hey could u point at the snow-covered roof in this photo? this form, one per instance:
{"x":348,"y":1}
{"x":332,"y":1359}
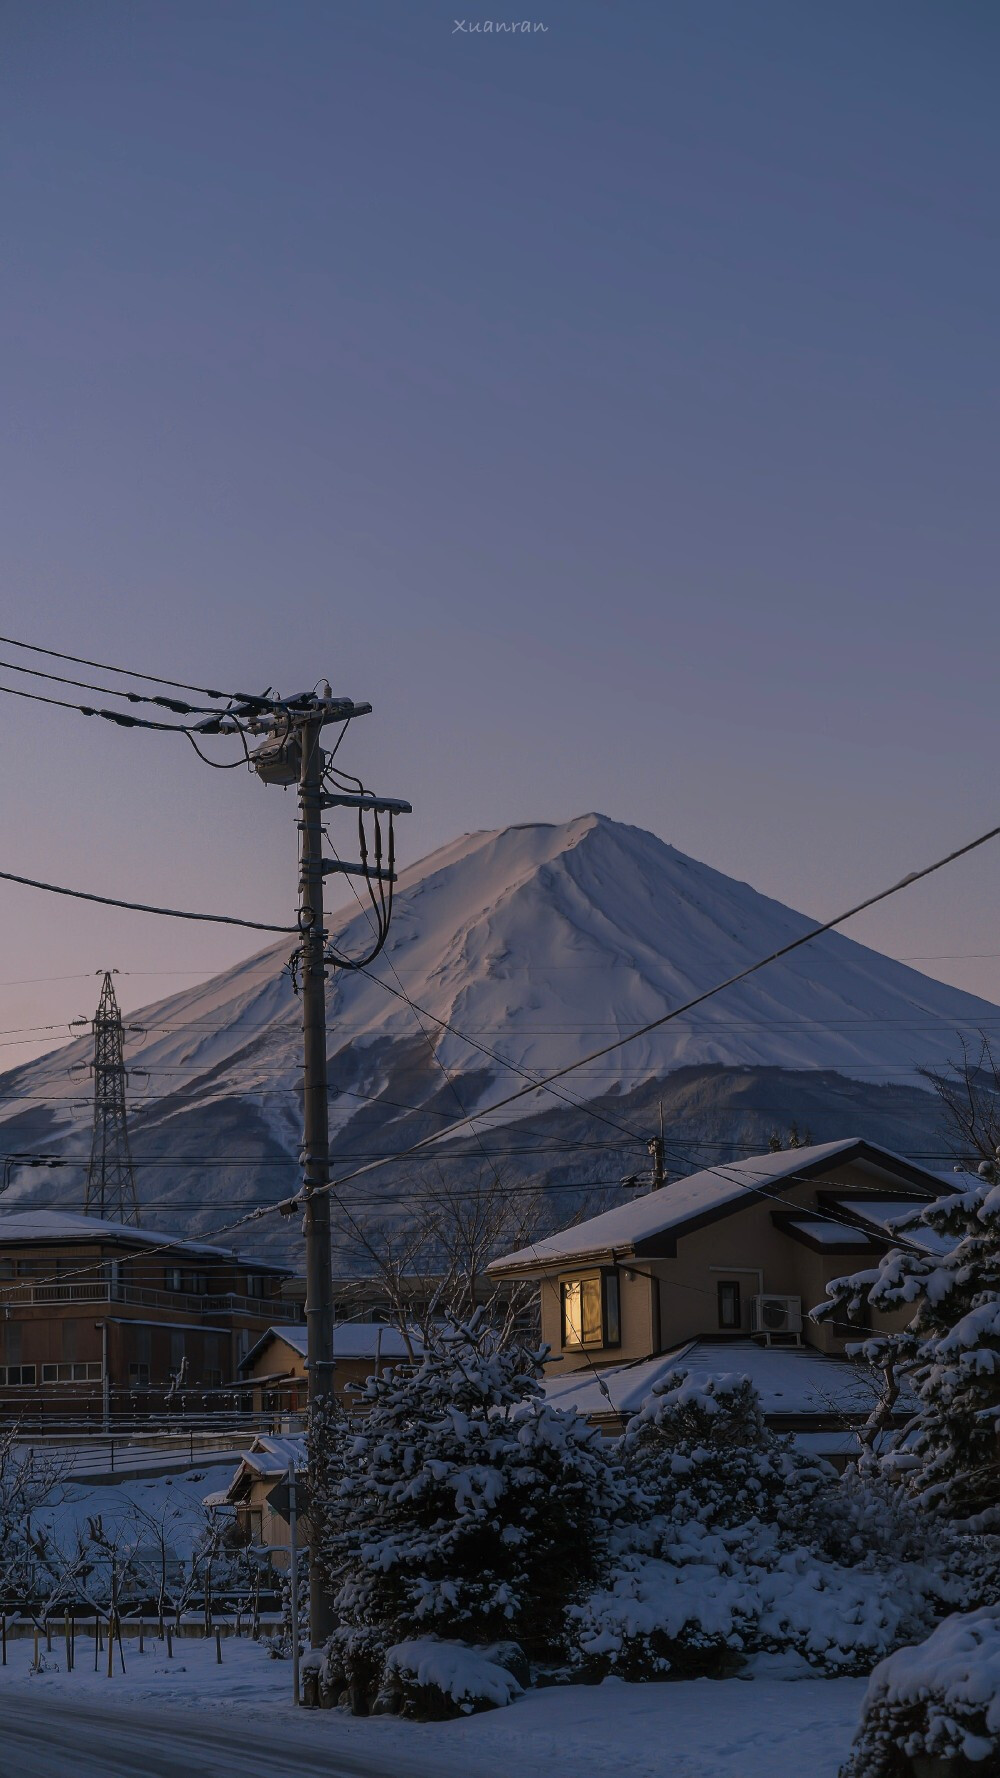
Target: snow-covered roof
{"x":351,"y":1339}
{"x":828,"y":1233}
{"x":269,"y":1456}
{"x":23,"y":1226}
{"x":712,"y":1190}
{"x":789,"y":1380}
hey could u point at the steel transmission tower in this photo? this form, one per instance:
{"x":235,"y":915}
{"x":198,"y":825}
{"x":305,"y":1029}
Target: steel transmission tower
{"x":110,"y":1176}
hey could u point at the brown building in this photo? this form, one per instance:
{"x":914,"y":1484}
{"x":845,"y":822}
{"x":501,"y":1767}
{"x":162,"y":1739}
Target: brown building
{"x":736,"y":1256}
{"x":275,"y":1368}
{"x":98,"y":1319}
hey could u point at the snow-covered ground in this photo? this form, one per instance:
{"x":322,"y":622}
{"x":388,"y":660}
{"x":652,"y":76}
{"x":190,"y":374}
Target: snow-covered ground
{"x":765,"y":1727}
{"x":168,"y":1503}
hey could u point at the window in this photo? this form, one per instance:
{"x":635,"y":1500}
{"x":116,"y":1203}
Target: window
{"x":138,"y":1376}
{"x":730,"y":1315}
{"x":17,"y":1375}
{"x":192,"y":1283}
{"x":590,"y":1311}
{"x":71,"y":1373}
{"x":256,"y":1284}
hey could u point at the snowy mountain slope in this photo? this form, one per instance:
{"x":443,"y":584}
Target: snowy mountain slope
{"x":539,"y":943}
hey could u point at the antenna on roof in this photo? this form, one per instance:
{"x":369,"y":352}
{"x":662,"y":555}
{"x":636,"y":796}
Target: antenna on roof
{"x":110,"y":1176}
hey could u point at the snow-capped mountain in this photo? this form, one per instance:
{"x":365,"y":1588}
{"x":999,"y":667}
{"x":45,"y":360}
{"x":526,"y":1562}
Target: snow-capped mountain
{"x":536,"y":944}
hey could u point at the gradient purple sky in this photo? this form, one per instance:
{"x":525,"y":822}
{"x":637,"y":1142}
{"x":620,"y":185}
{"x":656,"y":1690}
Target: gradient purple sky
{"x":615,"y":407}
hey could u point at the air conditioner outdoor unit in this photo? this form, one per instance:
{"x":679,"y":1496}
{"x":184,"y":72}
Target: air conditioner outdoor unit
{"x":770,"y":1315}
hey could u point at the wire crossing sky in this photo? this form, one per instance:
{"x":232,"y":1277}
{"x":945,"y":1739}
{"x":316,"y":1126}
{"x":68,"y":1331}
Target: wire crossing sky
{"x":609,"y":406}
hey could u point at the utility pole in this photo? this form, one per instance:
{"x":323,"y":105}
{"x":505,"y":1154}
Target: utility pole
{"x":316,"y":1123}
{"x":110,"y":1176}
{"x":293,"y":753}
{"x":654,"y":1148}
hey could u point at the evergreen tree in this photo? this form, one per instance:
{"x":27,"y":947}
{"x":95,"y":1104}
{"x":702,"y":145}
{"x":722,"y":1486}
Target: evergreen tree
{"x":460,"y":1504}
{"x":947,"y":1356}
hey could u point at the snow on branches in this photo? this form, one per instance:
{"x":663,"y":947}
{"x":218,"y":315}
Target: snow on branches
{"x":946,"y":1356}
{"x":938,"y":1703}
{"x":461,"y":1506}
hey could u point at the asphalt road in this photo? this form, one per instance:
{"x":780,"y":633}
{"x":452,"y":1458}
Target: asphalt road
{"x":43,"y":1738}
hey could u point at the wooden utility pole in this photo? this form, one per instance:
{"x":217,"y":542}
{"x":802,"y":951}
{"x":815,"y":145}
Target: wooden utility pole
{"x":293,"y":753}
{"x":316,"y":1123}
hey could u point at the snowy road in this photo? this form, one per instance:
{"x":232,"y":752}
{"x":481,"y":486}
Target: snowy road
{"x":45,"y":1738}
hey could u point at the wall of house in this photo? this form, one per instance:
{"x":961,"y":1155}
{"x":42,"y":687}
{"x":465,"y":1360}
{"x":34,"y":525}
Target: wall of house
{"x":637,"y":1314}
{"x":789,"y":1267}
{"x":681,"y":1300}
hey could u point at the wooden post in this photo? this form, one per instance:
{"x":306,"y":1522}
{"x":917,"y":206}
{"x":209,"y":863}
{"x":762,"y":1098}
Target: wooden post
{"x":121,"y":1650}
{"x":111,"y":1645}
{"x":218,"y":1645}
{"x":34,"y":1664}
{"x":170,"y":1644}
{"x":69,"y":1651}
{"x":3,"y":1637}
{"x":140,"y":1636}
{"x":48,"y":1634}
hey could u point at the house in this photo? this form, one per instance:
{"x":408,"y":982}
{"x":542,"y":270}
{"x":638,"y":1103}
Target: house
{"x":261,"y":1469}
{"x":734,"y":1256}
{"x":98,"y":1319}
{"x":275,"y":1367}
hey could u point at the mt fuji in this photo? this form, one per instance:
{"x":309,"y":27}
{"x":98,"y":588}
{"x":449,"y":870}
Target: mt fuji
{"x":535,"y":944}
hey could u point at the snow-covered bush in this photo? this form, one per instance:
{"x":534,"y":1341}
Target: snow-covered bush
{"x":939,"y":1701}
{"x":948,"y":1356}
{"x":463,"y":1507}
{"x":737,"y":1545}
{"x":430,"y":1679}
{"x":686,"y":1610}
{"x":701,"y":1449}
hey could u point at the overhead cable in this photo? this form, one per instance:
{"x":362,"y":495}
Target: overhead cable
{"x":142,"y":907}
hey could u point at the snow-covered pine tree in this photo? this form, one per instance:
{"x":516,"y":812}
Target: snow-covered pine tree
{"x":460,"y":1505}
{"x":947,"y":1356}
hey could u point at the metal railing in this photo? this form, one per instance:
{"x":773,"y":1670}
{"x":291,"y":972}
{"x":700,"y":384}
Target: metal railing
{"x":102,"y":1290}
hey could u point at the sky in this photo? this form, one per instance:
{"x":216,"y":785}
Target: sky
{"x":613,"y":405}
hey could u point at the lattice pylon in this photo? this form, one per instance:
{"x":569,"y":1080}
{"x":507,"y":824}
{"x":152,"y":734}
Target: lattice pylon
{"x":110,"y":1177}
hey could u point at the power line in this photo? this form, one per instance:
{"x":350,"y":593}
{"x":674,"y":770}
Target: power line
{"x":142,"y":907}
{"x":116,"y":716}
{"x":80,"y":660}
{"x":179,"y":706}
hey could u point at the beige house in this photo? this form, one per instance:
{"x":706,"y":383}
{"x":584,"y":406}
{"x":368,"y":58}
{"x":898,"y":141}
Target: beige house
{"x":261,"y":1469}
{"x":276,"y":1369}
{"x":734,"y":1255}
